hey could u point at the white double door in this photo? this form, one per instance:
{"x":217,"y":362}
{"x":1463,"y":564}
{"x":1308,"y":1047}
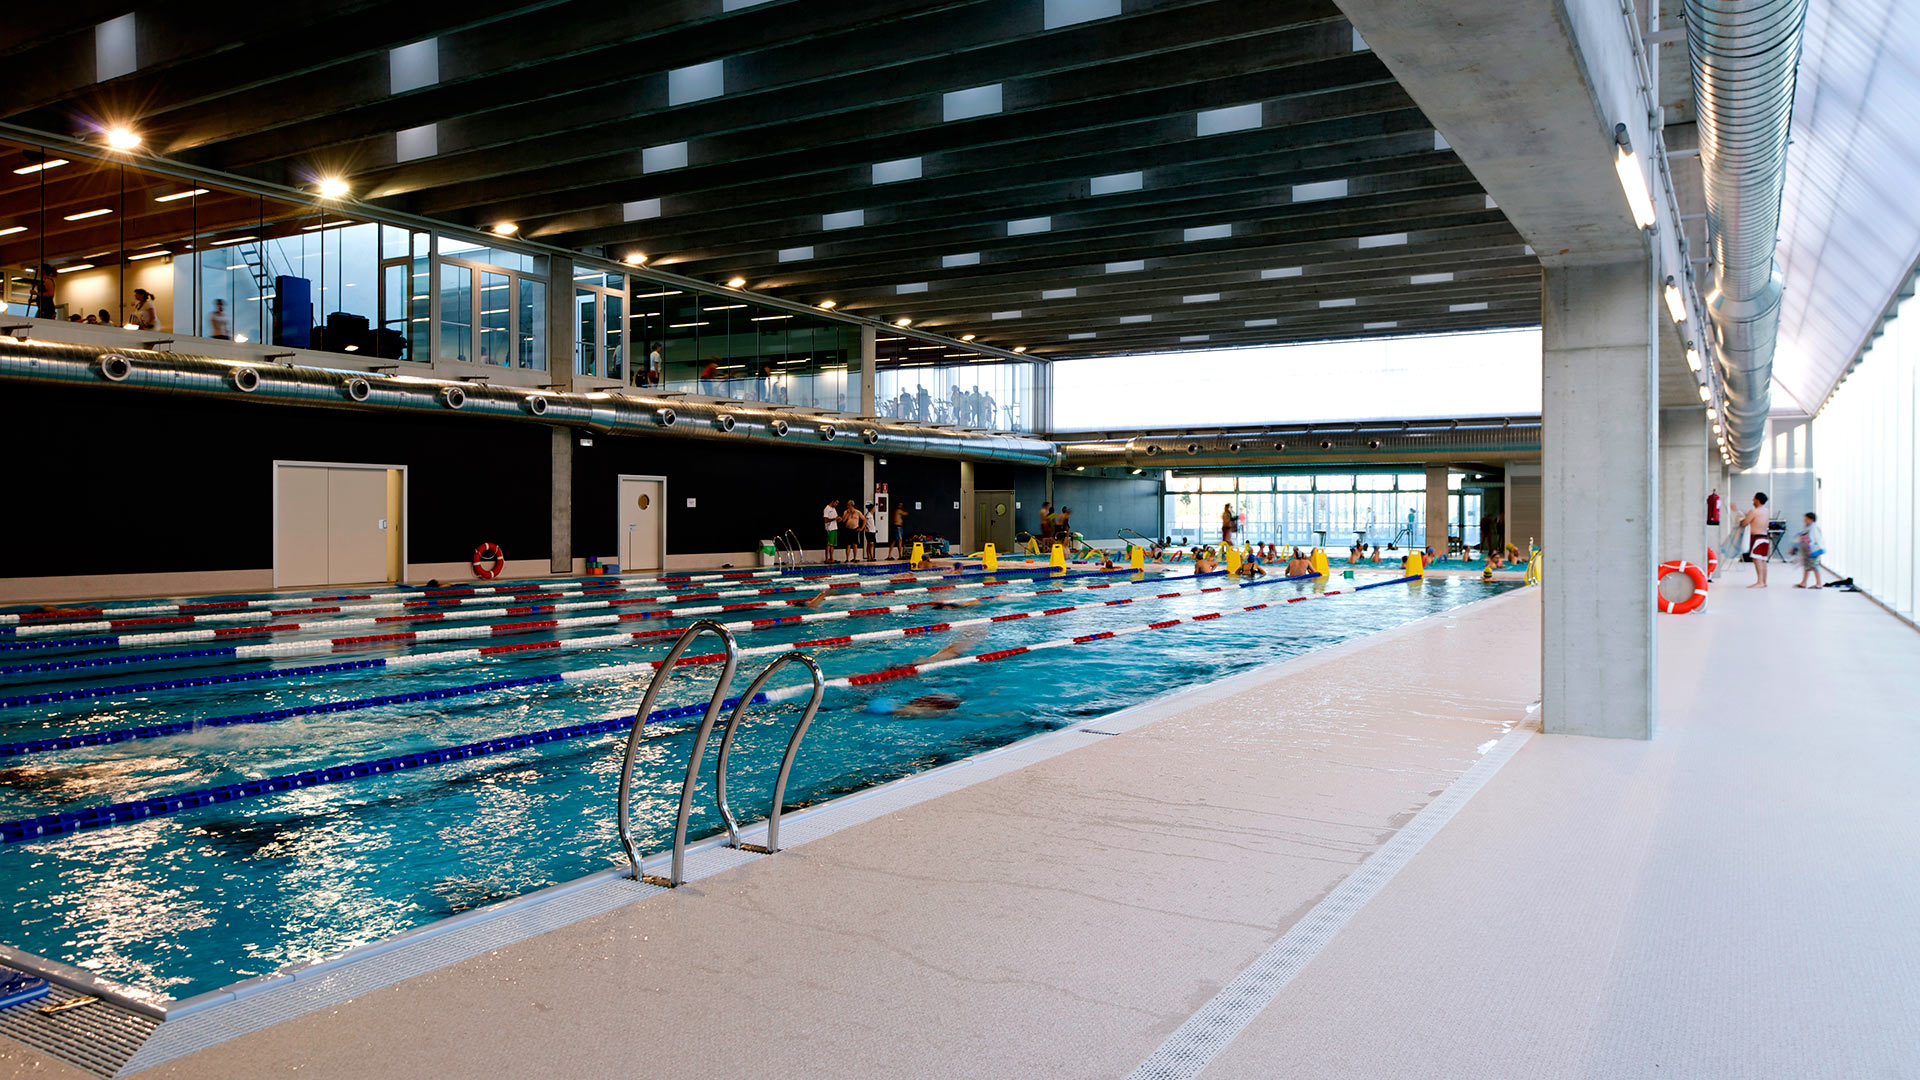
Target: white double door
{"x":336,"y":524}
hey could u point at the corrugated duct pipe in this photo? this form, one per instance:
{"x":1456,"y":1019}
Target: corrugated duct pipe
{"x":620,"y":414}
{"x":1745,"y":54}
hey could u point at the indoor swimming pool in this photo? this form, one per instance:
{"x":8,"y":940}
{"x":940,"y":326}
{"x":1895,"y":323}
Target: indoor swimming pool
{"x":192,"y":794}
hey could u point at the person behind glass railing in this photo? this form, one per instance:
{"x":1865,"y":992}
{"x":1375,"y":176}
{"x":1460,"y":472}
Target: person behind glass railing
{"x":43,"y":294}
{"x":219,"y":324}
{"x":142,"y":315}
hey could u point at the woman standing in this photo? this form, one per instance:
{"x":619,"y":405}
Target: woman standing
{"x":1228,"y":522}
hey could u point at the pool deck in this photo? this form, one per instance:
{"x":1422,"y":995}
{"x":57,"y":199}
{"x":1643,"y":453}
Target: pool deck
{"x":1733,"y":899}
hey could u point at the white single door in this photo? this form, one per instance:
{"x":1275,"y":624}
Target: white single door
{"x":642,"y":509}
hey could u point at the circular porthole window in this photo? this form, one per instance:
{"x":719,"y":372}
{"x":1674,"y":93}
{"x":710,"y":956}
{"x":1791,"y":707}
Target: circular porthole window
{"x":645,"y":501}
{"x":1000,"y":509}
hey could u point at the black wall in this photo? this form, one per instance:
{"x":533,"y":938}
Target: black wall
{"x":115,"y":482}
{"x":934,"y":483}
{"x":1102,"y":506}
{"x":742,"y":493}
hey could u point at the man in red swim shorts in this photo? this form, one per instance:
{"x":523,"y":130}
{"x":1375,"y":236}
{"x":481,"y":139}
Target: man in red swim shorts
{"x":1758,"y":545}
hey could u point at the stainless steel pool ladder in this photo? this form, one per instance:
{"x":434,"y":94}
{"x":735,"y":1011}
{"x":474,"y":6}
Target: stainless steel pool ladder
{"x":731,"y":651}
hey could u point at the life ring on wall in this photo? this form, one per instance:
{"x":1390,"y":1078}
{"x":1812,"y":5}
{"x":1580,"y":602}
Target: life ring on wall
{"x":1713,"y":563}
{"x":1691,"y":603}
{"x":488,"y":552}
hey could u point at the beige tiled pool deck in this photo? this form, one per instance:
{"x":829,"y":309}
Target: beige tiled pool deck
{"x":1730,"y":900}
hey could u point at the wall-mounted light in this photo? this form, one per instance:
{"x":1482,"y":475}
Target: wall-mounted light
{"x":1676,"y":302}
{"x":1627,"y":164}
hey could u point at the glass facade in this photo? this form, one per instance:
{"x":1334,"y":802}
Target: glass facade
{"x":1329,"y":510}
{"x":108,"y":242}
{"x":111,"y":243}
{"x":1867,"y":458}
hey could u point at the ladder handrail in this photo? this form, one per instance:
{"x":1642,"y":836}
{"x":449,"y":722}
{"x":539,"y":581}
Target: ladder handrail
{"x":732,"y":651}
{"x":786,"y":762}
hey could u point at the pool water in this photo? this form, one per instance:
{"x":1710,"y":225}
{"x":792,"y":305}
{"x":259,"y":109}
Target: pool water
{"x":190,"y":902}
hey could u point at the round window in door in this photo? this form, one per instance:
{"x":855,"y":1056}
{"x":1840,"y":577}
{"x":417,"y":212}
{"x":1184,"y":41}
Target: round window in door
{"x":645,"y":502}
{"x":1000,"y":509}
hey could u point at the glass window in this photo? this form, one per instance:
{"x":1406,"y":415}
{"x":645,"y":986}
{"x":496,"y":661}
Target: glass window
{"x":1454,"y":480}
{"x":1413,"y":481}
{"x":456,"y":313}
{"x":1216,"y":483}
{"x":1183,"y":483}
{"x":1334,"y":482}
{"x":531,"y":324}
{"x":586,"y":340}
{"x":496,"y":315}
{"x":613,"y":345}
{"x":469,"y":251}
{"x":1256,"y":483}
{"x":1295,"y":482}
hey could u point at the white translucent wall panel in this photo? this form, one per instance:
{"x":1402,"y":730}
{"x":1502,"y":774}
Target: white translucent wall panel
{"x":1868,"y":460}
{"x":1486,"y":374}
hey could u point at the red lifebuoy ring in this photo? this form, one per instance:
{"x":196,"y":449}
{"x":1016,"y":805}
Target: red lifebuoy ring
{"x":1691,"y":603}
{"x":1713,"y":563}
{"x":488,"y":551}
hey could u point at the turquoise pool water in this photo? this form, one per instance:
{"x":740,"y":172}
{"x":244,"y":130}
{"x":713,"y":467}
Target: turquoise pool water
{"x":189,"y":902}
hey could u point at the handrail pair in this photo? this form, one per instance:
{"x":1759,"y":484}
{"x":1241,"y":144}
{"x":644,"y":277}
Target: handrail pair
{"x":731,"y":649}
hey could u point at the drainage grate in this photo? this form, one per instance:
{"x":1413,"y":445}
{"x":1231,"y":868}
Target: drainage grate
{"x":98,"y":1037}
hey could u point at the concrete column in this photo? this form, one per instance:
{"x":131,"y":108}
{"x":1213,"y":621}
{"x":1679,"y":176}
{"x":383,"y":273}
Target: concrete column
{"x":561,"y":326}
{"x":1683,"y":485}
{"x":560,"y":502}
{"x":965,"y":539}
{"x":1600,"y":488}
{"x":866,"y":480}
{"x":1437,"y":507}
{"x":869,"y":357}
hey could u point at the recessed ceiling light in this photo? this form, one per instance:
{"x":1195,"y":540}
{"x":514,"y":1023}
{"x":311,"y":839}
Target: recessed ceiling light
{"x":121,"y":137}
{"x":506,"y":228}
{"x":1019,"y":348}
{"x":178,"y":195}
{"x":10,"y":230}
{"x":29,"y":169}
{"x":737,"y":283}
{"x":829,"y":304}
{"x":637,"y":258}
{"x":89,"y":266}
{"x":903,"y":322}
{"x":332,"y":187}
{"x":966,"y":337}
{"x":85,"y":214}
{"x":148,"y":255}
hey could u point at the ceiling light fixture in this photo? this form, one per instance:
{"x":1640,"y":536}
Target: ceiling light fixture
{"x":636,"y":258}
{"x":737,"y":283}
{"x":332,"y":187}
{"x":1704,"y":395}
{"x":1693,"y":358}
{"x":76,"y":266}
{"x":966,"y":337}
{"x":903,"y":322}
{"x":148,"y":255}
{"x":1627,"y":164}
{"x":506,"y":228}
{"x":1676,"y":303}
{"x":121,"y":137}
{"x":178,"y":195}
{"x":829,"y":305}
{"x":11,"y":229}
{"x":85,"y":214}
{"x":26,"y":170}
{"x":1019,"y":348}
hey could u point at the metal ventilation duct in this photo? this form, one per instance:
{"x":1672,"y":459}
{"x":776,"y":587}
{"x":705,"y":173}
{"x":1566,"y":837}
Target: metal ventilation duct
{"x":618,"y":414}
{"x":1745,"y":57}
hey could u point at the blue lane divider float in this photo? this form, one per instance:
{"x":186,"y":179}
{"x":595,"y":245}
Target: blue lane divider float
{"x":182,"y":727}
{"x":118,"y":660}
{"x":49,"y":697}
{"x":1382,"y":584}
{"x":100,"y":817}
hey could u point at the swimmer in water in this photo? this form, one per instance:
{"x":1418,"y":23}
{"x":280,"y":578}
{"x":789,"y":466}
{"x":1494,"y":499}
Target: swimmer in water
{"x":924,"y":705}
{"x":962,"y":641}
{"x":942,"y":605}
{"x":811,"y":601}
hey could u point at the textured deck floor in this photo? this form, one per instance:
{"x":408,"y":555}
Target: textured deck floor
{"x":1733,"y":899}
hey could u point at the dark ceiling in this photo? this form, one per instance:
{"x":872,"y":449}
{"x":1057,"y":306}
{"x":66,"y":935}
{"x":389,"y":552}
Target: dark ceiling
{"x":542,"y":114}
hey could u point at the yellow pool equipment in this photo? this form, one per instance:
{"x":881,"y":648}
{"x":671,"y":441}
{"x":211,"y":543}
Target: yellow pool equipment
{"x":989,"y":558}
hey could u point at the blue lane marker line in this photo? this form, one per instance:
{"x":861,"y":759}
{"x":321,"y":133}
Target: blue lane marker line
{"x":182,"y":727}
{"x":100,"y":817}
{"x":117,"y":660}
{"x":49,"y":643}
{"x":1381,"y":584}
{"x":51,"y":696}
